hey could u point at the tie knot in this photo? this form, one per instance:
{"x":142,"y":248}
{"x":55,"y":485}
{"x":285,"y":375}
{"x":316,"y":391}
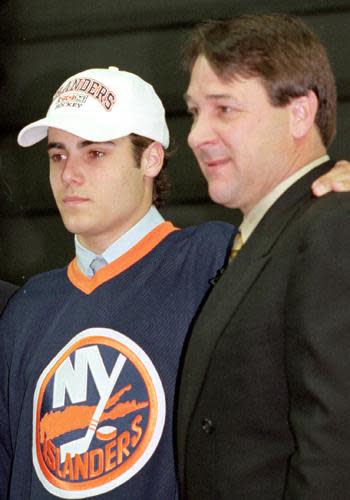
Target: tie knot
{"x":97,"y":263}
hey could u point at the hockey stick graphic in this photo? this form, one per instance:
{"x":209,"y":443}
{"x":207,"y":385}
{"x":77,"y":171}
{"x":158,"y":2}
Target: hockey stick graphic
{"x":81,"y":445}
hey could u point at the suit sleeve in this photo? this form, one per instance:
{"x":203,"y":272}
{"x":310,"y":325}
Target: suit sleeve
{"x":5,"y":441}
{"x":318,"y":355}
{"x":6,"y":290}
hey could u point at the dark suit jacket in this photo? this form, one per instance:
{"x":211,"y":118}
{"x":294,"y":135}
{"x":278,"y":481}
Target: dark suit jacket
{"x":264,"y":402}
{"x":6,"y":290}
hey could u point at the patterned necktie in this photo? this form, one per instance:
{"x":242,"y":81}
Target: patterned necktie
{"x":237,"y":245}
{"x":97,"y":263}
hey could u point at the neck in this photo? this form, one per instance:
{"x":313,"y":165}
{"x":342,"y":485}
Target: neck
{"x":98,"y":243}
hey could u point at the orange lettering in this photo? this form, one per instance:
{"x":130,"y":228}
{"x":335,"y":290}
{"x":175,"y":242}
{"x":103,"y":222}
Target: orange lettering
{"x":137,"y":429}
{"x":110,"y":454}
{"x":58,"y":460}
{"x":123,"y":441}
{"x":49,"y":454}
{"x":81,"y":466}
{"x":68,"y":467}
{"x":98,"y":454}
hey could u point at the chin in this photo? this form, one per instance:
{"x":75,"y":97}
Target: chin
{"x":73,"y":227}
{"x":219,"y":194}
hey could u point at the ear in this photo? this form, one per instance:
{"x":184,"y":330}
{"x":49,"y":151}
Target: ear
{"x":152,"y":160}
{"x":303,"y":113}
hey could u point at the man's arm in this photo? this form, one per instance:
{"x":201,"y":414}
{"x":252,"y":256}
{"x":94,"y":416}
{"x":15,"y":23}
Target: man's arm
{"x":6,"y":291}
{"x":5,"y":440}
{"x":337,"y":179}
{"x":318,"y":355}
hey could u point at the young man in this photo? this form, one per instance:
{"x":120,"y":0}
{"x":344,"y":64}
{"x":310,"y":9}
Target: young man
{"x":89,"y":355}
{"x":265,"y":393}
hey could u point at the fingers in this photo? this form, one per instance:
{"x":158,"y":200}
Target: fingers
{"x":337,"y":179}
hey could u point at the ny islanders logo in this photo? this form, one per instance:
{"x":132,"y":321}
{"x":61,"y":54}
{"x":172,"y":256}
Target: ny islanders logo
{"x":99,"y":412}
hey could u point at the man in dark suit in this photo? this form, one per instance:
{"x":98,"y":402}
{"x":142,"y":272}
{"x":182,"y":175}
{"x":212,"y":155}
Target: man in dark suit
{"x":264,"y":400}
{"x":6,"y":290}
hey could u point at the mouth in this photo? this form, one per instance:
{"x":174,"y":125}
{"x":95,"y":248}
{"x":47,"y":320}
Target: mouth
{"x":74,"y":200}
{"x":216,"y":163}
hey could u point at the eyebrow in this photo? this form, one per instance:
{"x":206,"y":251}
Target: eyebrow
{"x":82,"y":144}
{"x":211,"y":97}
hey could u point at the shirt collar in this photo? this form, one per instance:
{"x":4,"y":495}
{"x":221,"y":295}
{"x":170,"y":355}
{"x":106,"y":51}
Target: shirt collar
{"x":252,"y":219}
{"x":148,"y":222}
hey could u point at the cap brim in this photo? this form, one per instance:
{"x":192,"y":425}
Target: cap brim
{"x":36,"y":131}
{"x":85,"y":127}
{"x":33,"y":133}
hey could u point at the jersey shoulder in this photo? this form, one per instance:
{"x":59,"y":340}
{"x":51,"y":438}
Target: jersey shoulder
{"x":205,"y":246}
{"x":42,"y":287}
{"x":210,"y":234}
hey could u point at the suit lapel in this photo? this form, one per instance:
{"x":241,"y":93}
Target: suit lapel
{"x":231,"y":289}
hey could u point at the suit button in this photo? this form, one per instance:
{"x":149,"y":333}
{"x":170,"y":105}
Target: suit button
{"x":207,"y":426}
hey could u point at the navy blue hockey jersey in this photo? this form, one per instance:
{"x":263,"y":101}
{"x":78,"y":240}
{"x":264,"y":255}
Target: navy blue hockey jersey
{"x":88,"y":370}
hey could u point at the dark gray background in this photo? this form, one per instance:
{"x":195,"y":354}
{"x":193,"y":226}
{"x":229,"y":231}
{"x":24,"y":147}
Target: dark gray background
{"x":45,"y":41}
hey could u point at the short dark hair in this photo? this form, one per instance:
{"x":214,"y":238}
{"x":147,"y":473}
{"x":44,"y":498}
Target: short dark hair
{"x":280,"y":50}
{"x":161,"y":185}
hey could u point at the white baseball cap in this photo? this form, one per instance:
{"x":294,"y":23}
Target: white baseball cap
{"x":102,"y":105}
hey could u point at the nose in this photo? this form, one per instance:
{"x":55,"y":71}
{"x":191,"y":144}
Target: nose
{"x":201,"y":133}
{"x":72,"y":172}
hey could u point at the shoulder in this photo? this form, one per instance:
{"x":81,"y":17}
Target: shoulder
{"x":6,"y":291}
{"x":213,"y":233}
{"x":46,"y":279}
{"x":207,"y":240}
{"x":333,"y":208}
{"x":199,"y":249}
{"x":322,"y":226}
{"x":39,"y":287}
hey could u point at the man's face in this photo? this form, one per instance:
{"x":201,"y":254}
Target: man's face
{"x":99,"y":190}
{"x":242,"y":143}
